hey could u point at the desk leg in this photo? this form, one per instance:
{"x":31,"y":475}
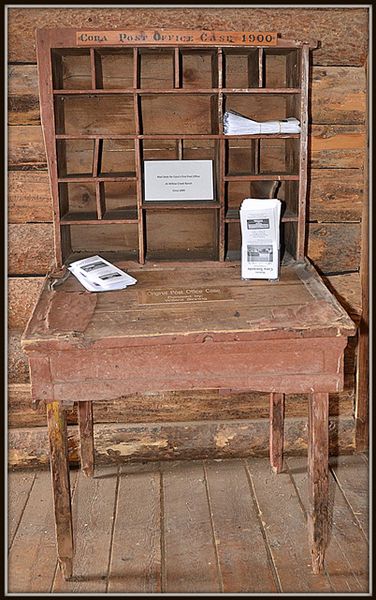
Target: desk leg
{"x":57,"y":433}
{"x":318,"y":483}
{"x":85,"y":421}
{"x":277,"y":406}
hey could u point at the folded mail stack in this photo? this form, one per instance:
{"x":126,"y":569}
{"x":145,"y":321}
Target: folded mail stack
{"x":236,"y":124}
{"x":98,"y":275}
{"x":260,"y":224}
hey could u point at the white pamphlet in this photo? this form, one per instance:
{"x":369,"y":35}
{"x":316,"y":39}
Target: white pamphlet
{"x":236,"y":124}
{"x":260,"y":224}
{"x":98,"y":275}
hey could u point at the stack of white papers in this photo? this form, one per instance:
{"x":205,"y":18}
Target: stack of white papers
{"x":98,"y":275}
{"x":236,"y":124}
{"x":260,"y":224}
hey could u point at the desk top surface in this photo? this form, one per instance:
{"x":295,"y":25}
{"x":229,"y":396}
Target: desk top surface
{"x":179,"y":301}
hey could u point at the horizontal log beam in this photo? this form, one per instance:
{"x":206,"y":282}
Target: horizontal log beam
{"x":342,"y":32}
{"x":26,"y":147}
{"x":18,"y":367}
{"x":338,"y":95}
{"x":335,"y":195}
{"x":337,"y":146}
{"x":173,"y":407}
{"x":334,"y":247}
{"x":29,"y":197}
{"x":31,"y":248}
{"x":23,"y":292}
{"x":28,"y":447}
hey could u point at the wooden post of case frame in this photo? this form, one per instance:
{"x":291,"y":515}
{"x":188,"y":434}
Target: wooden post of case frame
{"x":58,"y":440}
{"x":85,"y":422}
{"x":318,"y":482}
{"x":362,"y":374}
{"x":277,"y":405}
{"x":303,"y":153}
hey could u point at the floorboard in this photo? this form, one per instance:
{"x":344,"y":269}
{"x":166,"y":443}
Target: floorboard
{"x":210,"y":526}
{"x":93,"y":512}
{"x":285,"y":529}
{"x":347,"y":554}
{"x":189,"y":548}
{"x":135,"y":565}
{"x":19,"y":488}
{"x":243,"y":558}
{"x":32,"y":558}
{"x":352,"y":478}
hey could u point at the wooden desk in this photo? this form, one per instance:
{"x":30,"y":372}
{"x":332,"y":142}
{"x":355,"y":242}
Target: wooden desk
{"x":188,"y":326}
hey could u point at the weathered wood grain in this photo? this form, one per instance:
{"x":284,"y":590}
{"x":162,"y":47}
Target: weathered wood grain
{"x":29,"y":197}
{"x":85,"y":424}
{"x":31,"y":248}
{"x":292,"y":558}
{"x":23,"y":292}
{"x":343,"y":32}
{"x":277,"y":410}
{"x":35,"y":563}
{"x":26,"y":147}
{"x":338,"y":94}
{"x":59,"y":466}
{"x":19,"y":489}
{"x":136,"y":565}
{"x":28,"y":447}
{"x":23,"y":109}
{"x":93,"y":511}
{"x":363,"y":380}
{"x":354,"y":484}
{"x":173,"y":407}
{"x":23,"y":96}
{"x":32,"y":559}
{"x":347,"y":289}
{"x":18,"y":370}
{"x":22,"y":296}
{"x":337,"y":146}
{"x":318,"y":480}
{"x":18,"y":367}
{"x":242,"y":556}
{"x":335,"y":195}
{"x":334,"y":247}
{"x":346,"y":555}
{"x":187,"y":524}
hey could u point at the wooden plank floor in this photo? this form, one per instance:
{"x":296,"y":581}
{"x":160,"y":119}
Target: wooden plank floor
{"x":227,"y":526}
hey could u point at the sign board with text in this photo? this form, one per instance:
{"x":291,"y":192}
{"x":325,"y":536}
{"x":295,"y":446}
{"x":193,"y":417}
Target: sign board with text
{"x":175,"y":37}
{"x":166,"y":180}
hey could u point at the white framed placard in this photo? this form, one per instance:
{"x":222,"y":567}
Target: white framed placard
{"x":174,"y":180}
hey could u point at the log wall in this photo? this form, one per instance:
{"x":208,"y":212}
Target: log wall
{"x":183,"y":424}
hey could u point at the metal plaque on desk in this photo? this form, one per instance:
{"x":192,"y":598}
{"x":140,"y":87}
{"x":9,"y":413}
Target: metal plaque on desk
{"x":171,"y":180}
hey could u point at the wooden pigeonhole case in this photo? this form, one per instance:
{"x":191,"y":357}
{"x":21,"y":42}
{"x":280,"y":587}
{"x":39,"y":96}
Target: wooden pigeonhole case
{"x":105,"y":109}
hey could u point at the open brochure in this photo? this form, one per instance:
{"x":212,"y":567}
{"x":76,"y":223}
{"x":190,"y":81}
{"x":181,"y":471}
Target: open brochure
{"x":236,"y":124}
{"x":260,"y":224}
{"x":98,"y":275}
